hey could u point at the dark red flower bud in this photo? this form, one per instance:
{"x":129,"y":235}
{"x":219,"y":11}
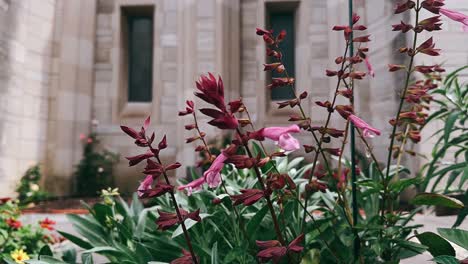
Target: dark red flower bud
{"x":315,"y":186}
{"x":163,"y":143}
{"x":359,"y":27}
{"x":191,"y":139}
{"x":158,"y":190}
{"x":395,"y":67}
{"x":303,"y":95}
{"x":281,"y":36}
{"x":268,"y":39}
{"x":355,"y":18}
{"x":134,"y":160}
{"x":330,"y":73}
{"x":309,"y":148}
{"x":339,"y":28}
{"x":262,"y":32}
{"x":247,"y":197}
{"x":362,"y":39}
{"x":235,"y":105}
{"x":295,"y":117}
{"x":357,"y":75}
{"x":344,"y":110}
{"x":200,"y":148}
{"x":173,"y":166}
{"x":216,"y":201}
{"x":348,"y":93}
{"x":190,"y":127}
{"x":339,"y":60}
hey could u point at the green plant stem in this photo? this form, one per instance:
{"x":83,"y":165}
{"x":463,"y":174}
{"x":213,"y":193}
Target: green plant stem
{"x":267,"y":197}
{"x":400,"y":107}
{"x":179,"y":216}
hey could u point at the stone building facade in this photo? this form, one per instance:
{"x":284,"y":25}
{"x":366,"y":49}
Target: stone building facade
{"x":65,"y":63}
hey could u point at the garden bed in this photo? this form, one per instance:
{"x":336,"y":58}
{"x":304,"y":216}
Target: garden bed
{"x":62,"y":205}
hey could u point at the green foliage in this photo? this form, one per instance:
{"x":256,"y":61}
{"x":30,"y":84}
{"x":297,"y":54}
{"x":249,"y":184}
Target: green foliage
{"x":28,"y":190}
{"x":451,"y":103}
{"x":95,"y":170}
{"x":32,"y":239}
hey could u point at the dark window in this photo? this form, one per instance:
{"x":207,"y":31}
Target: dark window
{"x":140,"y":58}
{"x":280,"y":20}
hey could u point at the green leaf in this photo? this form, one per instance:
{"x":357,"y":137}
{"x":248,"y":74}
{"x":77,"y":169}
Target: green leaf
{"x":214,"y":254}
{"x":254,"y":223}
{"x":445,"y":260}
{"x":402,"y":184}
{"x":449,"y":123}
{"x":457,"y":236}
{"x":143,"y":254}
{"x":437,"y":246}
{"x":435,"y":199}
{"x":76,"y":240}
{"x":87,"y":259}
{"x":46,"y":251}
{"x":188,"y":224}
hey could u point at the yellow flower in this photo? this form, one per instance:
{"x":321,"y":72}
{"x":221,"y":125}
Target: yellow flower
{"x":19,"y":256}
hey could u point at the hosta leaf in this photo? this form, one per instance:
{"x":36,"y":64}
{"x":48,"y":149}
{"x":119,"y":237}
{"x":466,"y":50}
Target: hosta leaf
{"x":435,"y":199}
{"x":437,"y":246}
{"x":457,"y":236}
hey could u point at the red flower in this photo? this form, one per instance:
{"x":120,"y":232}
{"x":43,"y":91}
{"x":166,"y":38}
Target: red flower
{"x":212,"y":92}
{"x":433,"y":6}
{"x":13,"y":223}
{"x":47,"y":224}
{"x":248,"y":197}
{"x":315,"y":186}
{"x":167,"y":220}
{"x":140,"y":137}
{"x":403,"y":27}
{"x":273,"y":250}
{"x":427,"y":47}
{"x":4,"y":200}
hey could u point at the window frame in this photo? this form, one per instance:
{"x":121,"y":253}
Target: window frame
{"x":273,"y":114}
{"x":122,"y":109}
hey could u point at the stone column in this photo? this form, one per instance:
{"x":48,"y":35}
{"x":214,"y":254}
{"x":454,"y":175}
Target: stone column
{"x":71,"y":98}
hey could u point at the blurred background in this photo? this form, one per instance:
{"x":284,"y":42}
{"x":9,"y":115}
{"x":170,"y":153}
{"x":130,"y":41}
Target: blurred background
{"x":73,"y":71}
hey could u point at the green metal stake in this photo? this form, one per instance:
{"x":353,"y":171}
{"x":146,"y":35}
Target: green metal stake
{"x":353,"y":148}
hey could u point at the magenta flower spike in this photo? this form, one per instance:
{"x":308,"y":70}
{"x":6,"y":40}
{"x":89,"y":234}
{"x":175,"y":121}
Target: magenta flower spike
{"x":367,"y":130}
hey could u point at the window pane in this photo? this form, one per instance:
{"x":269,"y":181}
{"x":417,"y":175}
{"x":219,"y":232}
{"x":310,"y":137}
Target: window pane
{"x":278,"y":22}
{"x":140,"y":58}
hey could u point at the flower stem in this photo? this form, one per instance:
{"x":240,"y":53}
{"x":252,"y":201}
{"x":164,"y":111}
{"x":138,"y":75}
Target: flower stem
{"x":267,"y":197}
{"x":179,"y":216}
{"x":400,"y":107}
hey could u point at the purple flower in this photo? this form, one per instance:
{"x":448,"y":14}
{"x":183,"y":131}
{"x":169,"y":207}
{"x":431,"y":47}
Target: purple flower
{"x":282,"y":136}
{"x":367,"y":130}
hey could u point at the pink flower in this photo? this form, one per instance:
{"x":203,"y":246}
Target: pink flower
{"x":212,"y":175}
{"x":370,"y":69}
{"x":82,"y":136}
{"x":145,"y":185}
{"x":192,"y":186}
{"x":456,"y":16}
{"x":367,"y":130}
{"x":283,"y":137}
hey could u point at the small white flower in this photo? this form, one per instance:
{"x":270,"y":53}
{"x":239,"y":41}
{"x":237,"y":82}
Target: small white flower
{"x":100,"y":169}
{"x":34,"y":187}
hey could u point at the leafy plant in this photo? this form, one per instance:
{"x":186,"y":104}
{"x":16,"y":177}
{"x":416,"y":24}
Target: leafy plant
{"x":449,"y":159}
{"x":95,"y":170}
{"x":29,"y":191}
{"x":23,"y":240}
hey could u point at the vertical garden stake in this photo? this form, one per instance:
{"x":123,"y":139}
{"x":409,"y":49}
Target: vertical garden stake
{"x":353,"y":146}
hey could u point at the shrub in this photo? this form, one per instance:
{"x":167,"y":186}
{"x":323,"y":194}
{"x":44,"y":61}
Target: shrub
{"x":95,"y":170}
{"x":29,"y":191}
